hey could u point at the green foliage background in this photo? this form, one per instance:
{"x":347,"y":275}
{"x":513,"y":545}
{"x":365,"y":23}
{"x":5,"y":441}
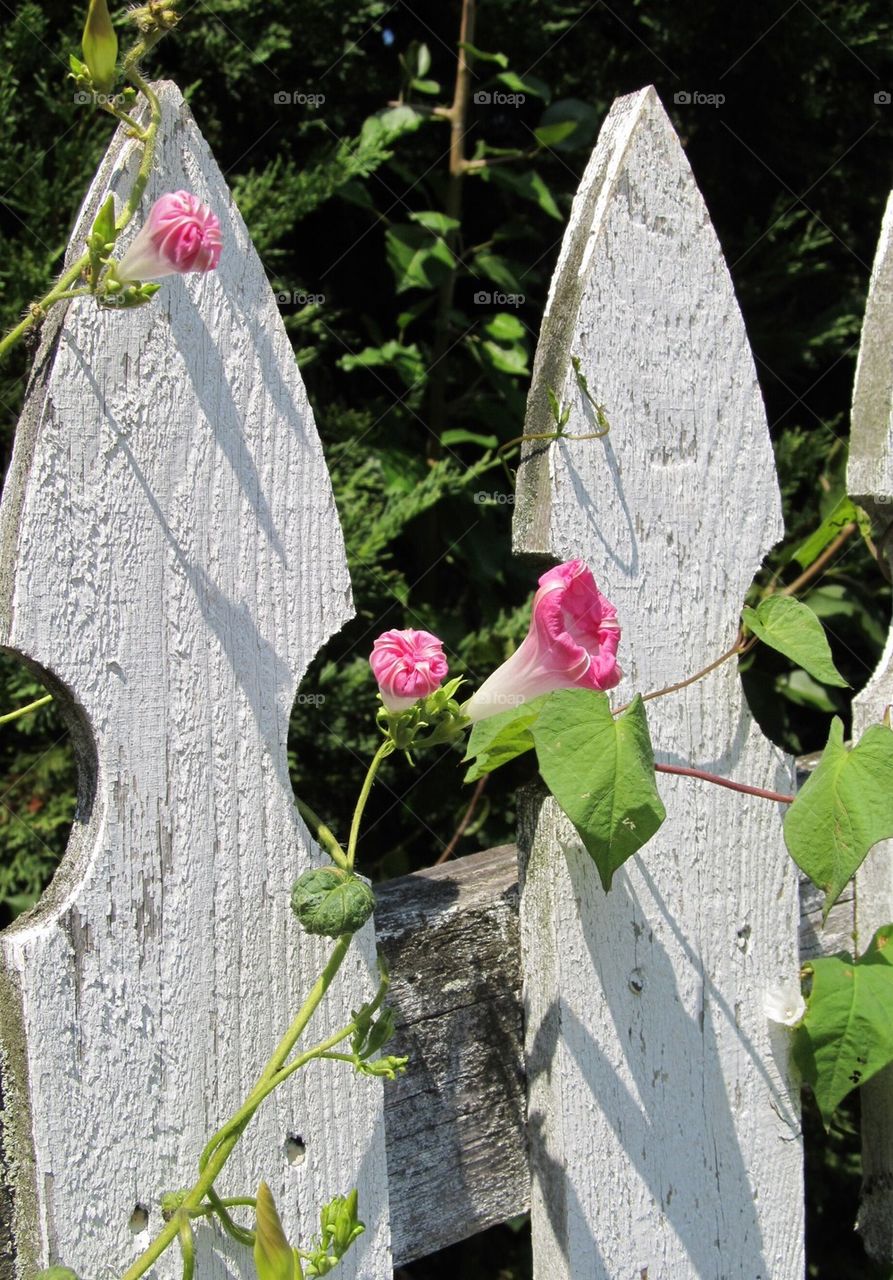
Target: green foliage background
{"x":347,"y":201}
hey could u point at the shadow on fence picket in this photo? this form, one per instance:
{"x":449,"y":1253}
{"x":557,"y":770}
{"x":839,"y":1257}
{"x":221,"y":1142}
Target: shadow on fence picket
{"x":171,"y":555}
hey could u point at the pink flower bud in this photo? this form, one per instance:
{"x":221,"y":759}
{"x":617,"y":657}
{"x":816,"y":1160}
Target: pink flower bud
{"x":180,"y":234}
{"x":572,"y":643}
{"x":408,"y":665}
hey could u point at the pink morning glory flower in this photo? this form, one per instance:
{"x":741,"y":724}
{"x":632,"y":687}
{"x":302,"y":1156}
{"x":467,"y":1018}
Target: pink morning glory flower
{"x":180,"y":234}
{"x":408,"y":665}
{"x":572,"y":643}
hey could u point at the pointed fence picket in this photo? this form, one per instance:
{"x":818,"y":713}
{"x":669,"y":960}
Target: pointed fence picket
{"x":664,"y":1130}
{"x":171,"y":560}
{"x":870,"y":483}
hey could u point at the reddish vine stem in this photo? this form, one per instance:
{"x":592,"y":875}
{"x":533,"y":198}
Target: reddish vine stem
{"x":724,"y":782}
{"x":466,"y":818}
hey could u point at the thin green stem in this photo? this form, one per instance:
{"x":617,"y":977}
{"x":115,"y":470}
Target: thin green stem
{"x":322,"y":833}
{"x":23,"y":711}
{"x":37,"y":309}
{"x":381,"y":754}
{"x":148,"y":156}
{"x":187,"y":1245}
{"x":281,"y":1052}
{"x":229,"y":1202}
{"x":240,"y":1234}
{"x":62,"y":289}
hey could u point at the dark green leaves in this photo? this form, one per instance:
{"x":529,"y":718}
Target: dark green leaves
{"x":600,"y":768}
{"x":847,"y":1033}
{"x":844,"y":809}
{"x":793,"y":629}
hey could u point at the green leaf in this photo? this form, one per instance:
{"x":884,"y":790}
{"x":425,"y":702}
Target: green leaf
{"x":525,"y":84}
{"x":846,"y":1036}
{"x":792,"y":628}
{"x":844,"y":809}
{"x":426,"y":86}
{"x":458,"y":435}
{"x":511,"y":360}
{"x":803,"y":691}
{"x":600,"y":769}
{"x":500,"y":738}
{"x":527,"y":186}
{"x":499,"y":270}
{"x":405,"y":360}
{"x":550,"y":135}
{"x":423,"y":60}
{"x":846,"y":512}
{"x":478,"y":54}
{"x":504,"y":327}
{"x":435,"y":221}
{"x":583,"y":119}
{"x":418,"y":259}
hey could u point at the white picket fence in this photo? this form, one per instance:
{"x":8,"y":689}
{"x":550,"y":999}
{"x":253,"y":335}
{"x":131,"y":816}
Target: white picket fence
{"x":171,"y":558}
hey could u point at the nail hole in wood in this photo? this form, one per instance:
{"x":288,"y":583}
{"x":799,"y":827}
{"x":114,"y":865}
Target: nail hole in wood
{"x":139,"y":1219}
{"x":295,"y":1148}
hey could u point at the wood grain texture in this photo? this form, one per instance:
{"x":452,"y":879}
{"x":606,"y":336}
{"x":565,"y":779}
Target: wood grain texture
{"x":664,"y":1130}
{"x":455,"y":1123}
{"x":171,"y":555}
{"x":870,"y":482}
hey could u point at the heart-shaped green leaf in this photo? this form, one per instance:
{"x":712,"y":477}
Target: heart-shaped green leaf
{"x":845,"y":807}
{"x":792,"y":628}
{"x":600,"y":769}
{"x":847,"y":1033}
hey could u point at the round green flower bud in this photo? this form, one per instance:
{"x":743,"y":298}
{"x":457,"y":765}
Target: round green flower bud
{"x":331,"y":901}
{"x":56,"y":1273}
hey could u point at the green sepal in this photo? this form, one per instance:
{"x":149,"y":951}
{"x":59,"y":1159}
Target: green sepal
{"x":339,"y":1227}
{"x":843,"y":810}
{"x":126,"y":297}
{"x":331,"y":901}
{"x":274,"y":1258}
{"x":101,"y":238}
{"x":430,"y":722}
{"x":791,"y":627}
{"x":846,"y":1035}
{"x":387,"y":1068}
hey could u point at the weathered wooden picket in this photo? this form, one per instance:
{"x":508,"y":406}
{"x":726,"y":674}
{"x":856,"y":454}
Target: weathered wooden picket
{"x":170,"y":558}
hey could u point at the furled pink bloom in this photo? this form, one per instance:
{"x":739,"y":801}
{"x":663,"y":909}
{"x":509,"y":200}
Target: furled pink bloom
{"x":572,"y":643}
{"x":408,"y":665}
{"x":180,"y":234}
